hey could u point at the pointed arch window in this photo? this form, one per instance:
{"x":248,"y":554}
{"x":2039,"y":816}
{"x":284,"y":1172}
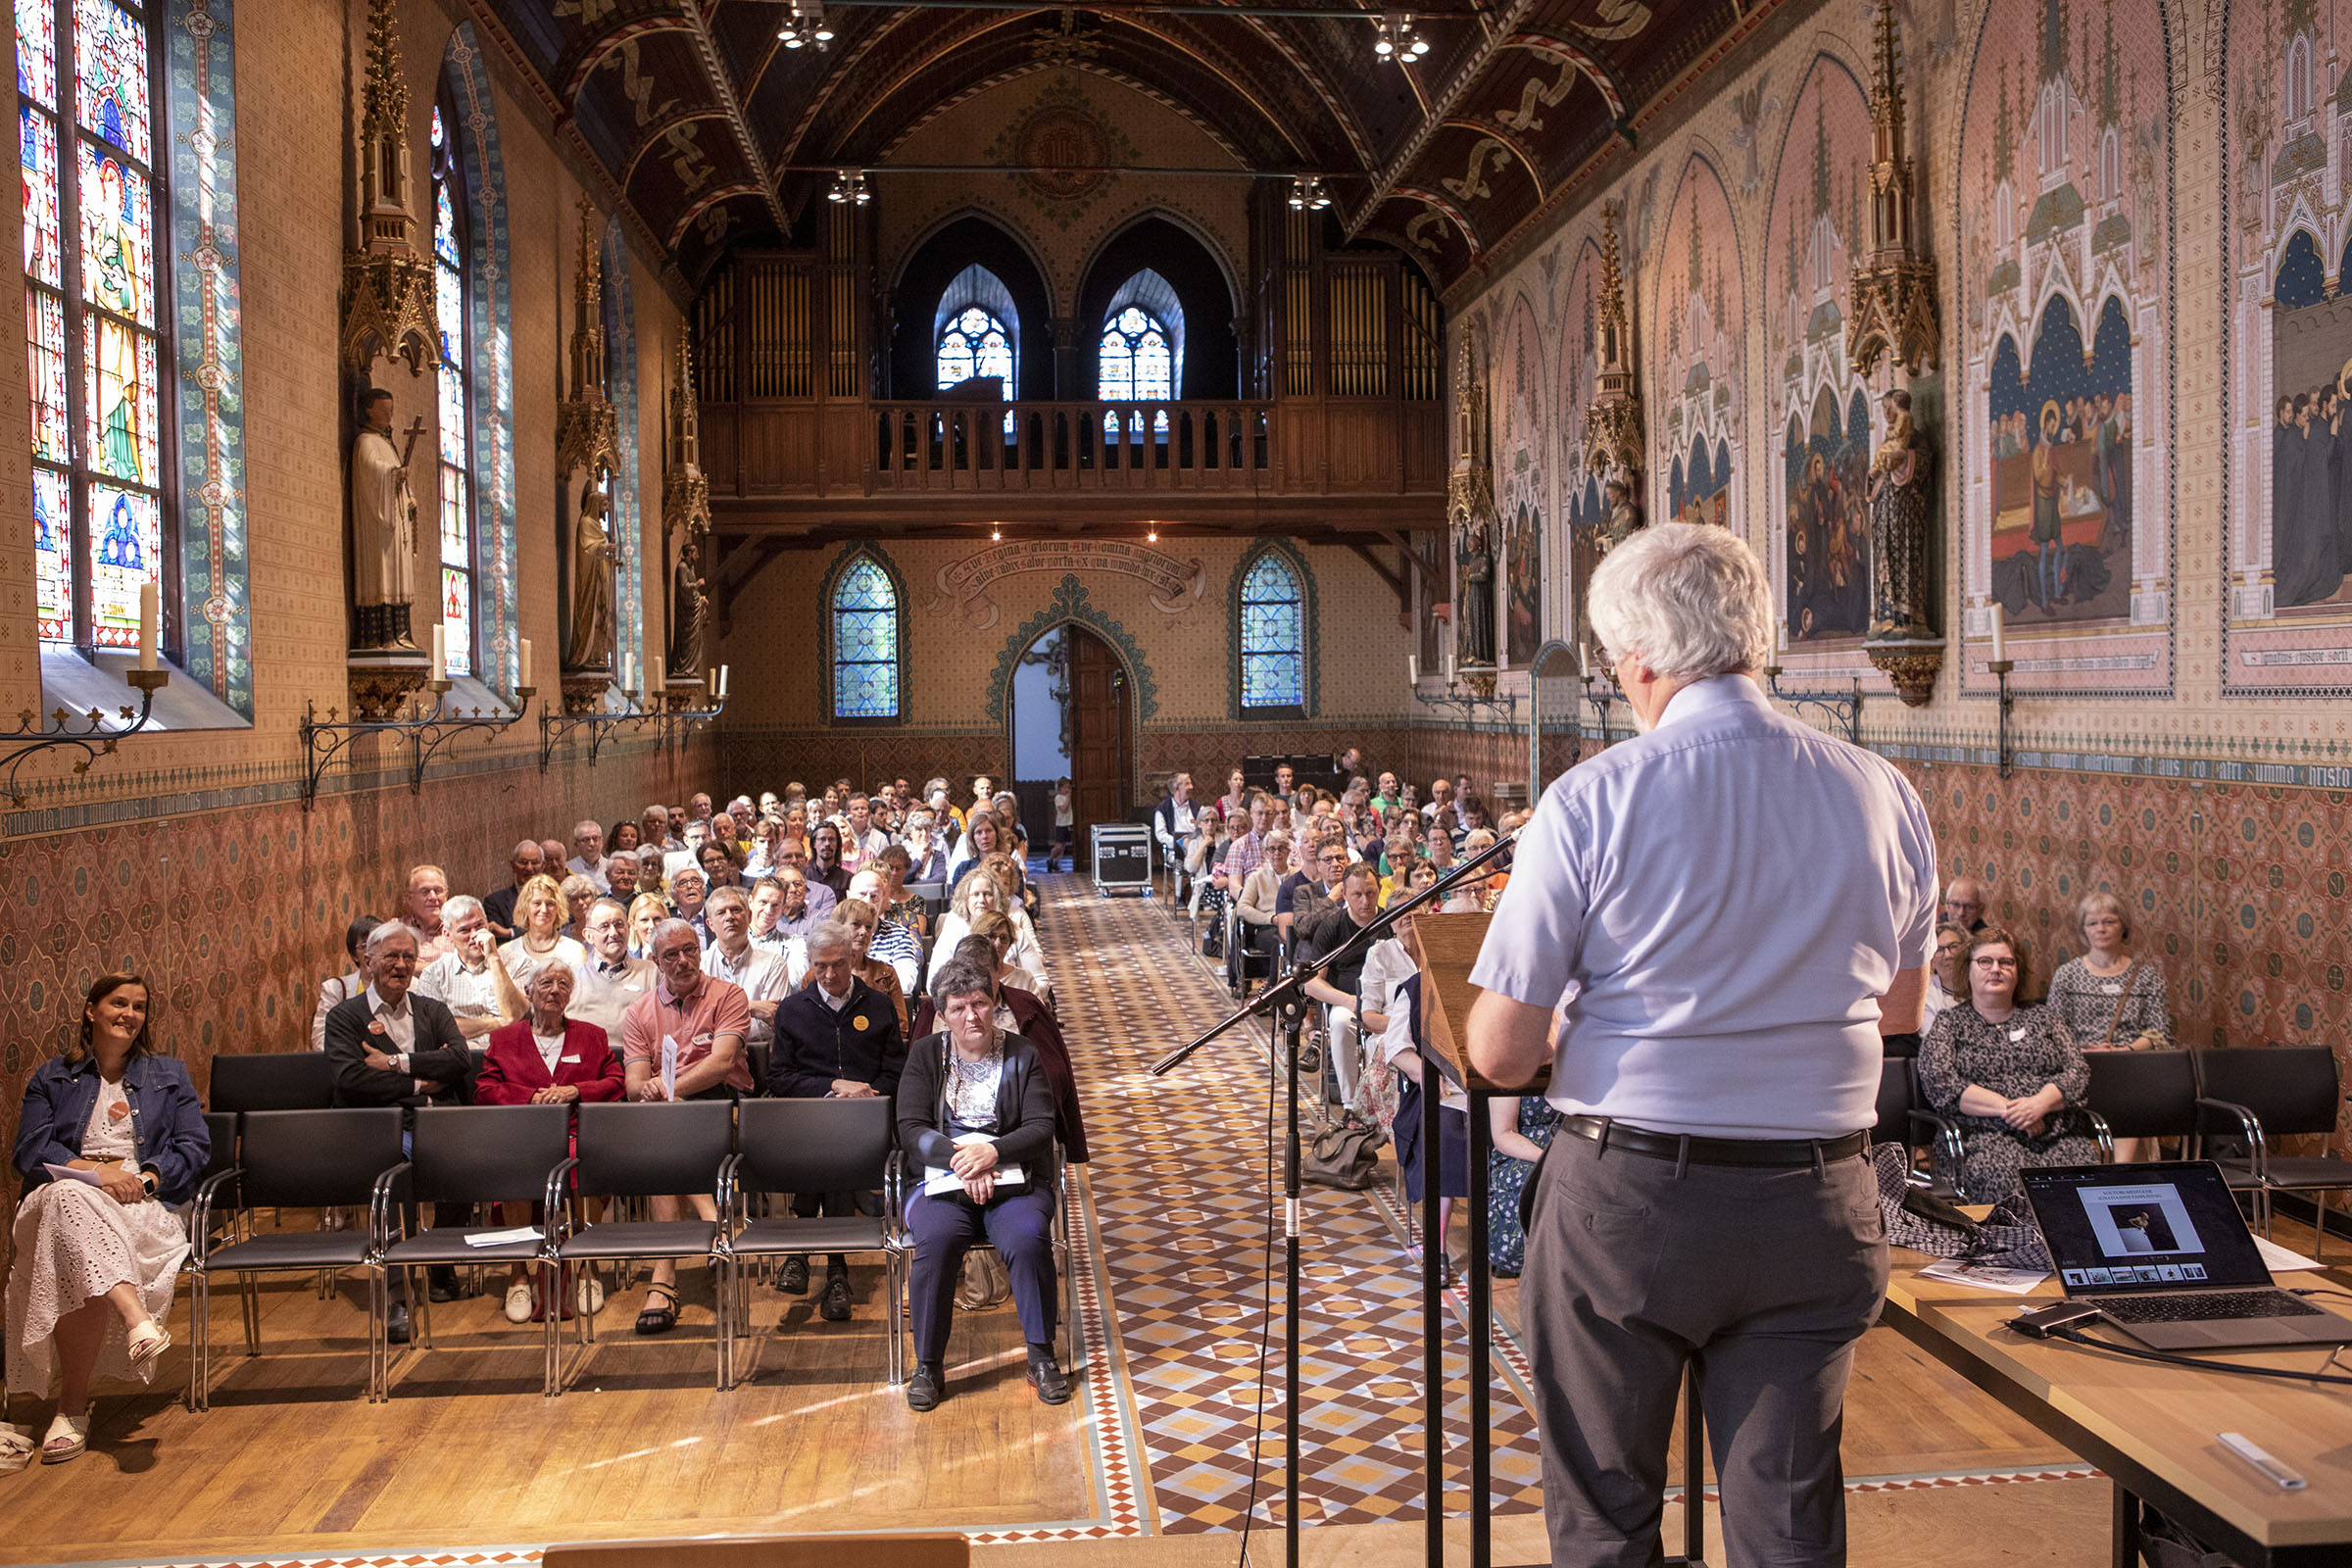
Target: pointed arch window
{"x":95,"y":334}
{"x":866,"y":664}
{"x":456,"y":410}
{"x":974,"y":343}
{"x":1272,"y":640}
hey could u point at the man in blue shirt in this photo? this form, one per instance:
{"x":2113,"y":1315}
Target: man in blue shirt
{"x":1709,"y":1195}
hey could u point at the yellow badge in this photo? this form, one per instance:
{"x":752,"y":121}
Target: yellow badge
{"x":858,"y":1022}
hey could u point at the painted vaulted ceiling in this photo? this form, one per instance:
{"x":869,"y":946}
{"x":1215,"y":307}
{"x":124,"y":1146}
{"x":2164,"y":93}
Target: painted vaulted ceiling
{"x":718,"y":136}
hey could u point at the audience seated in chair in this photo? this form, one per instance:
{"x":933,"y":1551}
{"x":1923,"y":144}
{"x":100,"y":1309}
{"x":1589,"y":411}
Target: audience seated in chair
{"x":859,"y":918}
{"x":90,"y":1285}
{"x":337,"y":989}
{"x":470,"y":979}
{"x":2009,"y":1074}
{"x":973,"y":1102}
{"x":526,"y":862}
{"x":542,"y":912}
{"x":732,"y":956}
{"x":610,"y":979}
{"x":428,"y":891}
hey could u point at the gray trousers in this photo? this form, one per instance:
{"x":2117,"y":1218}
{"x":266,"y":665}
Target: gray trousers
{"x":1765,"y":1278}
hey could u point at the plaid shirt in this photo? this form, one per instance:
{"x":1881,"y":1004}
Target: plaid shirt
{"x":1244,"y":856}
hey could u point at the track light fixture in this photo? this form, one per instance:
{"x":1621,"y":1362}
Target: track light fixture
{"x":849,"y":185}
{"x":807,"y":26}
{"x":1308,"y":194}
{"x":1398,"y":39}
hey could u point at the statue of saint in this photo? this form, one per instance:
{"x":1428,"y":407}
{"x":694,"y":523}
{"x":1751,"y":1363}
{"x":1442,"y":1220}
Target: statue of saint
{"x":383,"y":527}
{"x":591,"y":645}
{"x":1624,"y":516}
{"x":1898,"y":526}
{"x":1476,"y":573}
{"x":688,"y":607}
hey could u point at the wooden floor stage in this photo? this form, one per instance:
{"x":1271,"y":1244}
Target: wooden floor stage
{"x":1150,"y":1465}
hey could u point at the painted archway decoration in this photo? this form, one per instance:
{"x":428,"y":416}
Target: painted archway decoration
{"x":1071,"y":604}
{"x":961,"y":586}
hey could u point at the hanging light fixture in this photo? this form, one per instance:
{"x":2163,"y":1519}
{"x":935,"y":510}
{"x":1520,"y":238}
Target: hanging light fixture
{"x":1308,"y":194}
{"x":807,"y":26}
{"x":1398,"y":38}
{"x":849,"y":185}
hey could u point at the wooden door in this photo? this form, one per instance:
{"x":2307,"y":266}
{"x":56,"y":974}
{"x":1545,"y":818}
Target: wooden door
{"x":1101,"y":741}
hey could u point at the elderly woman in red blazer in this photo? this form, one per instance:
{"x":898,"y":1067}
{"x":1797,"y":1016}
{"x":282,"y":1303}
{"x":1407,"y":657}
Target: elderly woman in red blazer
{"x":547,"y":1060}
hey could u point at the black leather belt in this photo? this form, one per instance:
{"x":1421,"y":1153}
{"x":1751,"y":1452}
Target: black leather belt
{"x":1763,"y":1153}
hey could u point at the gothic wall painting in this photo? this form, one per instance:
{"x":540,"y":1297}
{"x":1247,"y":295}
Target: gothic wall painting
{"x":1523,"y":486}
{"x":1692,"y":336}
{"x":1575,"y":547}
{"x":2065,"y":263}
{"x":1820,"y":215}
{"x":2289,"y":254}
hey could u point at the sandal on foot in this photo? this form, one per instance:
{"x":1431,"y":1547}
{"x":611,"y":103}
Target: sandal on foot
{"x":147,"y":1342}
{"x":658,"y":1319}
{"x":68,"y":1437}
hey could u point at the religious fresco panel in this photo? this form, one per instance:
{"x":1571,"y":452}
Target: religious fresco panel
{"x":2288,"y":545}
{"x":1819,"y":223}
{"x":1692,"y":338}
{"x":2063,"y":278}
{"x":1522,"y":485}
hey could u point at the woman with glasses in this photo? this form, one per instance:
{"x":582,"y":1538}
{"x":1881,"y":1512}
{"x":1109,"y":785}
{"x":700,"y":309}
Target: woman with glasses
{"x":2008,"y":1074}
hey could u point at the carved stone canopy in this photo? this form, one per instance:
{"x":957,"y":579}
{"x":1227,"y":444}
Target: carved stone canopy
{"x":388,"y":309}
{"x":1894,"y":310}
{"x":1614,"y":440}
{"x":388,"y":303}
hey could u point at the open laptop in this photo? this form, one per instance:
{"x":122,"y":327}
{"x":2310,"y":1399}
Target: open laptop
{"x":2164,"y":1254}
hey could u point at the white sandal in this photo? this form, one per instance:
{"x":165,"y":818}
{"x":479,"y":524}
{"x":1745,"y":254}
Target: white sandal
{"x":17,"y":1446}
{"x":147,"y":1342}
{"x":68,"y":1437}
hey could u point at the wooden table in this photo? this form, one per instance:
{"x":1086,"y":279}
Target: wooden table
{"x":2151,"y":1428}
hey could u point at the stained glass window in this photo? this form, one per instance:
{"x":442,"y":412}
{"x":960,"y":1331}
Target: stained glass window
{"x":975,"y":343}
{"x":865,"y":643}
{"x":455,"y":414}
{"x":1136,"y":365}
{"x":85,"y":156}
{"x":1273,"y":638}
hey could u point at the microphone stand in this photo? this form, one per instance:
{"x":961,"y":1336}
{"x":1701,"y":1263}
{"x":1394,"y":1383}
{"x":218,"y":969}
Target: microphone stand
{"x":1288,"y":996}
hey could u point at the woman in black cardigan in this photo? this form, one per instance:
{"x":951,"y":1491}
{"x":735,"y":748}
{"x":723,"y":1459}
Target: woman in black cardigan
{"x":973,"y":1102}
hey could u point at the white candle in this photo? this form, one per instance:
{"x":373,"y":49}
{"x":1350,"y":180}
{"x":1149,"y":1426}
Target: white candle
{"x":626,"y":684}
{"x":2000,"y":639}
{"x":1412,"y":669}
{"x":147,"y":619}
{"x":527,"y":663}
{"x":722,"y":683}
{"x":1449,"y":669}
{"x":1584,"y":661}
{"x":652,"y":674}
{"x":440,"y":650}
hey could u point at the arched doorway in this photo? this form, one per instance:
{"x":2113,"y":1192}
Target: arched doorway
{"x":1069,"y":713}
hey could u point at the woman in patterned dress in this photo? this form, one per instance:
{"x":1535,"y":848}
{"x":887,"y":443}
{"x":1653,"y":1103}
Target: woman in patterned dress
{"x":1522,"y":1127}
{"x":2111,"y":999}
{"x":2009,"y":1075}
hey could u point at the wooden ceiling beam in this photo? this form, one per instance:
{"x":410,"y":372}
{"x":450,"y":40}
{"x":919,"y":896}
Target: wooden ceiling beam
{"x":1506,"y":20}
{"x":722,"y":88}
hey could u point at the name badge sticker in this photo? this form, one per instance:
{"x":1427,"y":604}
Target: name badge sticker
{"x":2016,"y":1035}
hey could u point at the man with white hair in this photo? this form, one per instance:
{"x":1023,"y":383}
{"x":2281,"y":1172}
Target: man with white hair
{"x":1708,"y":1194}
{"x":526,"y":862}
{"x":893,"y":942}
{"x":696,"y":834}
{"x":731,"y":956}
{"x":588,"y":853}
{"x":471,"y":980}
{"x":609,"y":982}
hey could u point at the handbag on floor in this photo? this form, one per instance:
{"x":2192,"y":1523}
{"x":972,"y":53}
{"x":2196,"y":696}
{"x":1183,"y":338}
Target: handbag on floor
{"x":982,"y":1282}
{"x":1346,"y":1156}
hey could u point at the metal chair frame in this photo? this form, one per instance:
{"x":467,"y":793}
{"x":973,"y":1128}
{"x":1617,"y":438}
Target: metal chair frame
{"x":2254,"y":1173}
{"x":895,"y":1193}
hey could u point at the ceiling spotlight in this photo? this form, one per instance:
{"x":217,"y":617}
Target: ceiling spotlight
{"x":1151,"y":536}
{"x":994,"y":532}
{"x":1308,"y":194}
{"x":849,"y":185}
{"x":1398,"y":38}
{"x":807,"y":26}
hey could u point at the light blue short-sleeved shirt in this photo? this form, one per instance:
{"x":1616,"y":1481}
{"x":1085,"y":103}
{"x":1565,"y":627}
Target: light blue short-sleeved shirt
{"x":1732,"y":893}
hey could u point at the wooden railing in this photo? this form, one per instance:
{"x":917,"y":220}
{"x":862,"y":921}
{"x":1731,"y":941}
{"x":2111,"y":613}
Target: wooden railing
{"x":1070,"y":446}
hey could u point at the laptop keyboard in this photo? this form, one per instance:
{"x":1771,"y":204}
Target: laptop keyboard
{"x":2204,"y":1307}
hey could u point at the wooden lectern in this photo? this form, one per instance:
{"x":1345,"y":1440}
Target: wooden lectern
{"x":1445,"y":947}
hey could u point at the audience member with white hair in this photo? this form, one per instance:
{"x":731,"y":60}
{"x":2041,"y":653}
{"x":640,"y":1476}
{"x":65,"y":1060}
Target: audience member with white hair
{"x":588,"y":853}
{"x":891,"y":943}
{"x":610,"y":980}
{"x":734,"y":958}
{"x":470,"y":979}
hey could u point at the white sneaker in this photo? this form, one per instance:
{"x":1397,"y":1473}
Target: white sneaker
{"x":518,"y":1301}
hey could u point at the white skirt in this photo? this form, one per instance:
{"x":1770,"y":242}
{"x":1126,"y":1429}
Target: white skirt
{"x":72,"y":1243}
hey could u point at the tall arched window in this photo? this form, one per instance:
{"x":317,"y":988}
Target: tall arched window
{"x":1137,"y":362}
{"x":93,"y":329}
{"x":1273,"y":639}
{"x":865,"y":642}
{"x":974,"y":343}
{"x":456,"y":401}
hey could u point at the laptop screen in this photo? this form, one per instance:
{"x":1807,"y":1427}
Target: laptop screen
{"x":2164,"y":1226}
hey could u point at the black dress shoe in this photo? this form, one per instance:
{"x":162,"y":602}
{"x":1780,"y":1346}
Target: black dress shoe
{"x":834,"y":1305}
{"x":396,"y":1324}
{"x":1046,"y":1376}
{"x":794,"y":1280}
{"x":926,"y":1388}
{"x":441,"y":1284}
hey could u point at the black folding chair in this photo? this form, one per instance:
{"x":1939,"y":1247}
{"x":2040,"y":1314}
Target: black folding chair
{"x":479,"y":1154}
{"x":1903,"y":1119}
{"x":2140,"y":1094}
{"x":805,"y":1145}
{"x":898,"y":1189}
{"x":2276,"y":1092}
{"x":642,"y":1151}
{"x":296,"y":1159}
{"x":299,"y":1080}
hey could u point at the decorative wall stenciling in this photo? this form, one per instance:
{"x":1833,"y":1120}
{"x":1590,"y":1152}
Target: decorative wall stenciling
{"x":216,"y":601}
{"x":1071,"y":604}
{"x":1070,"y":147}
{"x":1816,"y":230}
{"x":1522,"y":382}
{"x":1695,"y":334}
{"x":491,"y":356}
{"x":2287,"y":249}
{"x":2063,"y":285}
{"x":628,"y":513}
{"x":962,"y":588}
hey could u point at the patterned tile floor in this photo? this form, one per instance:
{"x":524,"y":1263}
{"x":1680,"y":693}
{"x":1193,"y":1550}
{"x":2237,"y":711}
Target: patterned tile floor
{"x":1189,"y":1152}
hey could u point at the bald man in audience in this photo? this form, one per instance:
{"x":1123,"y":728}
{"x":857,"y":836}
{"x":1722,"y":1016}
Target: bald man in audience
{"x":471,"y":980}
{"x":527,"y":862}
{"x":1963,"y":904}
{"x":428,"y":891}
{"x":609,"y":981}
{"x":588,"y":853}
